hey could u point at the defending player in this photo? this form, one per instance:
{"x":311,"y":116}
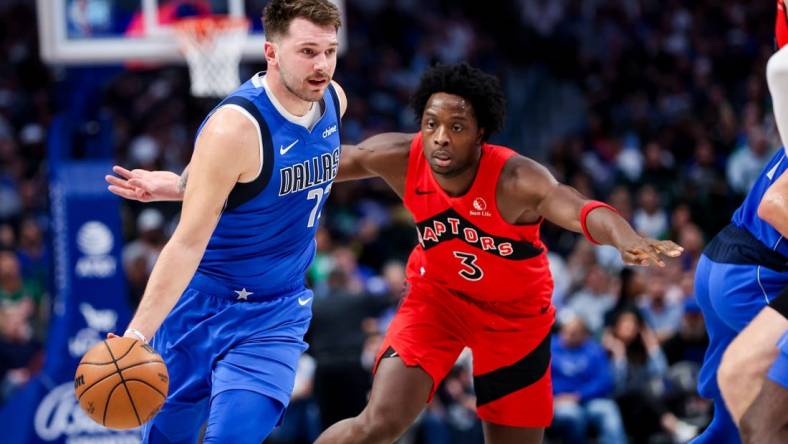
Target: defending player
{"x":480,"y":277}
{"x":230,"y":281}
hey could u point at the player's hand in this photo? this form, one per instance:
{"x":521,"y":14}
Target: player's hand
{"x":645,"y":251}
{"x":144,"y":185}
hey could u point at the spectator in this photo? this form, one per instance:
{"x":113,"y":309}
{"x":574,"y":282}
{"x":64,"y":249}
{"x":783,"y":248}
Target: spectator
{"x":17,"y":346}
{"x":14,"y":289}
{"x":690,"y":342}
{"x":639,"y":366}
{"x":150,"y":226}
{"x":747,"y":161}
{"x":632,"y":286}
{"x":650,"y":218}
{"x":582,"y":385}
{"x":661,"y":306}
{"x":336,"y":337}
{"x":593,"y":300}
{"x":33,"y":253}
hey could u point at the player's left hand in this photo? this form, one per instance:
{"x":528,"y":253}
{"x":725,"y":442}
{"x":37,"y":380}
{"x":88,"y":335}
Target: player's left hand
{"x":143,"y":185}
{"x":645,"y":251}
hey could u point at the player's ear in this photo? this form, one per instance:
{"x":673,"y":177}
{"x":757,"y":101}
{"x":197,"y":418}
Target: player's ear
{"x":270,"y":50}
{"x":480,"y":136}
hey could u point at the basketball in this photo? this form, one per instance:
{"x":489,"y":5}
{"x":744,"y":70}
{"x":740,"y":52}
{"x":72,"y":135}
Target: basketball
{"x":121,"y":383}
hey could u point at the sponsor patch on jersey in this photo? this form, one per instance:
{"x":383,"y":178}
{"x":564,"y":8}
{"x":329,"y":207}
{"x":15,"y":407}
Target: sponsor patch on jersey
{"x":480,"y":208}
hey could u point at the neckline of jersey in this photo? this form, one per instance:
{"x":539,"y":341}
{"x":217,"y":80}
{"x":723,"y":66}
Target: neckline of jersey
{"x":259,"y":81}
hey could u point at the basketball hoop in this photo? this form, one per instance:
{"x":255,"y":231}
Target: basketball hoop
{"x":212,"y":47}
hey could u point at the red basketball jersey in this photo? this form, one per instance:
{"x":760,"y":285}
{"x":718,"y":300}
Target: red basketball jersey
{"x":465,"y":244}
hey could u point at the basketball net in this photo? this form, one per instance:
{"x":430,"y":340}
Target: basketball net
{"x":212,"y":47}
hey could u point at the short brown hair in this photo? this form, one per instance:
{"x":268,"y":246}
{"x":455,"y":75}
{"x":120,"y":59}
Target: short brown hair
{"x":278,"y":14}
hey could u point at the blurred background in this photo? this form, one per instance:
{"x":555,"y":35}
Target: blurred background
{"x":659,"y":107}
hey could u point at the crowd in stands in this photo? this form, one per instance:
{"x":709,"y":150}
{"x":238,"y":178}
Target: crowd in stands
{"x":659,"y":107}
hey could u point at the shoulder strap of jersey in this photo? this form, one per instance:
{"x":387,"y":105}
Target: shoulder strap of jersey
{"x":495,"y":158}
{"x":244,"y":192}
{"x":335,"y":100}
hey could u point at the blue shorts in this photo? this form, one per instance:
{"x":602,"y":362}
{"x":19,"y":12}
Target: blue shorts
{"x":219,"y":338}
{"x":730,"y":296}
{"x":779,"y":370}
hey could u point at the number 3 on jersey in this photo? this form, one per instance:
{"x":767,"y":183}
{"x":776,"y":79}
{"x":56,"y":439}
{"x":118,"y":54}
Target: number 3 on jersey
{"x":317,"y":194}
{"x":470,"y":270}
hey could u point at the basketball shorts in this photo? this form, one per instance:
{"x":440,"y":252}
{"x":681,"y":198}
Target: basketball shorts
{"x":511,"y":350}
{"x":219,"y":338}
{"x":730,"y":296}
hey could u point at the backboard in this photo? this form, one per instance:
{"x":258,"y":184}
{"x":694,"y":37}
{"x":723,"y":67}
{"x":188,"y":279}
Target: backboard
{"x":115,"y":31}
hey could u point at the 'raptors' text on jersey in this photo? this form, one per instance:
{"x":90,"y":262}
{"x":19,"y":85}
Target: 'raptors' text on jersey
{"x":466,"y":245}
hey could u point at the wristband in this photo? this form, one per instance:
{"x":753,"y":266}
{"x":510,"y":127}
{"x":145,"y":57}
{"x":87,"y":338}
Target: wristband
{"x":136,"y":333}
{"x":587,"y":208}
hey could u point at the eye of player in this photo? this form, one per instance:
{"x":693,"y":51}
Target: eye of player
{"x":457,"y":128}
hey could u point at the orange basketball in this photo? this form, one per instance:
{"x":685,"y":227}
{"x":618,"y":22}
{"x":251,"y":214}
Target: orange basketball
{"x":121,"y":383}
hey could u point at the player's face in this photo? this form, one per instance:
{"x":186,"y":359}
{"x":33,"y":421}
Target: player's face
{"x":452,"y":137}
{"x":306,"y":57}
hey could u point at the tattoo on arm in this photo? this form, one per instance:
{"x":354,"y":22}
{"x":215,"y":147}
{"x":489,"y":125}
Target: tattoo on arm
{"x":181,"y":186}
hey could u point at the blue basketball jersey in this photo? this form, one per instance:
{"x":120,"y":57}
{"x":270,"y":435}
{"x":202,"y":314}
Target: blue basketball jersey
{"x":265,"y":237}
{"x":746,"y":216}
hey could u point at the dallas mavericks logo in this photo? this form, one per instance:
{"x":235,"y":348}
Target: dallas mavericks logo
{"x":95,"y":241}
{"x":58,"y":415}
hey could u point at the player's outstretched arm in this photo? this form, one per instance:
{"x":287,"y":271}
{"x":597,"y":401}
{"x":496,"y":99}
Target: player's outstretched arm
{"x":147,"y":186}
{"x":534,"y":189}
{"x":766,"y":421}
{"x":774,"y":205}
{"x":151,"y":186}
{"x":383,"y":155}
{"x":225,"y":153}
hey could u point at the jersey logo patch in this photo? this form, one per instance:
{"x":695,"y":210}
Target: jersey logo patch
{"x":772,"y":172}
{"x":284,"y":149}
{"x":480,"y":207}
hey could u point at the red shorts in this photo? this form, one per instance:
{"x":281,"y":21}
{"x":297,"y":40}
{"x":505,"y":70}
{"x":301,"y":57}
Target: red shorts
{"x":511,"y":350}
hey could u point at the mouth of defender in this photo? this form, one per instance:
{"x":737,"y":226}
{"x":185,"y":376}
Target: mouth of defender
{"x":441,"y":158}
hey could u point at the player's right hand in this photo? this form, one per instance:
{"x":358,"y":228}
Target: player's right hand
{"x":144,"y":185}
